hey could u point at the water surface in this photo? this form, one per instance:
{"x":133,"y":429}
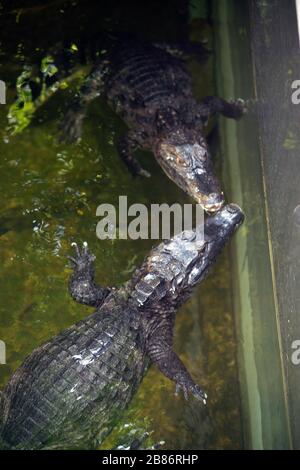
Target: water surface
{"x":49,"y":196}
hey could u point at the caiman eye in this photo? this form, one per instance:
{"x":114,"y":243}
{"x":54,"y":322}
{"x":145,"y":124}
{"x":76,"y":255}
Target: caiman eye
{"x":181,"y":161}
{"x":205,"y":248}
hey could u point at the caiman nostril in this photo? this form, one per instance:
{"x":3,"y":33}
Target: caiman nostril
{"x":233,"y":208}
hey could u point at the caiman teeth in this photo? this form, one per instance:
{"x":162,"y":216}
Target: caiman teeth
{"x":213,"y":207}
{"x":211,"y":202}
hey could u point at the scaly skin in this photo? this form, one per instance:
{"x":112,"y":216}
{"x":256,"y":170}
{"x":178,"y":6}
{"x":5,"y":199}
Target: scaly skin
{"x":149,"y":87}
{"x":70,"y":392}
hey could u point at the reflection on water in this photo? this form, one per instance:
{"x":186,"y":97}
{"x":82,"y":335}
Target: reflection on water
{"x":49,"y":196}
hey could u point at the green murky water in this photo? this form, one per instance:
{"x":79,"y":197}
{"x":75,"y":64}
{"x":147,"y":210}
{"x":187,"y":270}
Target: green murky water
{"x":49,"y":196}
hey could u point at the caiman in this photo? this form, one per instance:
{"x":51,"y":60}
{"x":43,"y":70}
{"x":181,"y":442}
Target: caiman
{"x":70,"y":392}
{"x":149,"y":86}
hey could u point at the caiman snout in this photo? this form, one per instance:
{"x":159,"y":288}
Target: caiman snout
{"x":178,"y":264}
{"x":190,"y":167}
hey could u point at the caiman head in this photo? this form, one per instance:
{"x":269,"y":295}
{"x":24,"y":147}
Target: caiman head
{"x":183,"y":153}
{"x":173,"y":269}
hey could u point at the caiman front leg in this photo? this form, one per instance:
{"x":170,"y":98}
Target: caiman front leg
{"x":126,"y":147}
{"x":81,"y":285}
{"x":160,"y":351}
{"x":211,"y":105}
{"x":71,"y":127}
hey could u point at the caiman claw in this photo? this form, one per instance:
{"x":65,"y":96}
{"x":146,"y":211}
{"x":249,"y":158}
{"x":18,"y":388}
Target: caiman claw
{"x":241,"y":107}
{"x":193,"y":389}
{"x":84,"y":259}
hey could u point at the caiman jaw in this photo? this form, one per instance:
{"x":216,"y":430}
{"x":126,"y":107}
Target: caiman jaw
{"x":212,"y":203}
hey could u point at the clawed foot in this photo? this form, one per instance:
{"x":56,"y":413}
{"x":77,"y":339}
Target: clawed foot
{"x":71,"y":128}
{"x":193,"y":389}
{"x":239,"y":107}
{"x":84,"y":259}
